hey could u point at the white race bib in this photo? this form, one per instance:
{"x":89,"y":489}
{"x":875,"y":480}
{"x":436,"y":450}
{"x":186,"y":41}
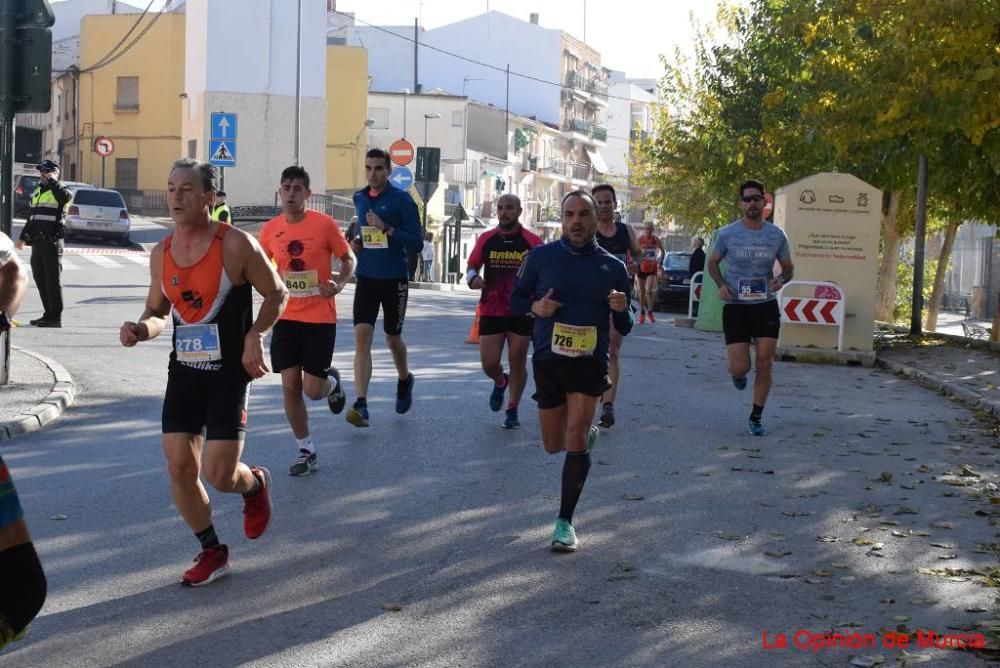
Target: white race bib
{"x":751,"y":289}
{"x":197,"y":343}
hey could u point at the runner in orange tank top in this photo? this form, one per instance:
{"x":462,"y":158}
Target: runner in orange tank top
{"x":202,"y":275}
{"x":649,"y":269}
{"x":303,"y":243}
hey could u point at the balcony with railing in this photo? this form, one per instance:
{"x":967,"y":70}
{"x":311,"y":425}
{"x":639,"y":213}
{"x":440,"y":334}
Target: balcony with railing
{"x":553,"y":167}
{"x":599,"y":133}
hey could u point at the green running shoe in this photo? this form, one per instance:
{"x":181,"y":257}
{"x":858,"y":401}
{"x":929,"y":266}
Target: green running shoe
{"x":563,"y":537}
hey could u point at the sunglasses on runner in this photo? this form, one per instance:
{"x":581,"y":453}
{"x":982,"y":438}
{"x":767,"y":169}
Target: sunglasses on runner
{"x":752,"y":198}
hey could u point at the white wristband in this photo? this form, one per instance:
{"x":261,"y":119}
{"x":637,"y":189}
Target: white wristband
{"x":470,"y":275}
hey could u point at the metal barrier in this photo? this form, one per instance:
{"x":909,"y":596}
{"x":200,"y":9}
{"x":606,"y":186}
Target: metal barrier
{"x":826,"y":308}
{"x":694,"y":293}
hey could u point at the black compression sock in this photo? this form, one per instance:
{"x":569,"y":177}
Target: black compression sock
{"x":756,"y":413}
{"x":208,"y":538}
{"x":22,"y":582}
{"x":575,"y":469}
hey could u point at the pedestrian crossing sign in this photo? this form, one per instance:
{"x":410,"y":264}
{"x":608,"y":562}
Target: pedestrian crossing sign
{"x":222,"y":153}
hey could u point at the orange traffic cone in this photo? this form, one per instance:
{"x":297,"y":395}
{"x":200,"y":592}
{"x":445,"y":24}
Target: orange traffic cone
{"x":473,"y":337}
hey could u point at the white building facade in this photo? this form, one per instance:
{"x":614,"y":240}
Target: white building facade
{"x":248,"y":68}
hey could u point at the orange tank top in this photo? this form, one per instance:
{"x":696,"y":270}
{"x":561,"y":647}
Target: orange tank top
{"x":649,"y":245}
{"x":211,"y":316}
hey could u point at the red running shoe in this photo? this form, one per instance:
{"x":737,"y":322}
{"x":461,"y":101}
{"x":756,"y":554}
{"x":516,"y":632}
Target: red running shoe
{"x":211,"y":564}
{"x":257,"y":508}
{"x":642,"y":317}
{"x":651,"y":318}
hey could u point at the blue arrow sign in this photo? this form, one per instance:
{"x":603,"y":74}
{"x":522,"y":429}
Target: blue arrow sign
{"x":222,"y":153}
{"x":223,"y":126}
{"x":401,"y":177}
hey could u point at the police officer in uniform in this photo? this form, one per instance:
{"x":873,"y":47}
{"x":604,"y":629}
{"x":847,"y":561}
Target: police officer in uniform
{"x":220,"y":211}
{"x":44,"y":232}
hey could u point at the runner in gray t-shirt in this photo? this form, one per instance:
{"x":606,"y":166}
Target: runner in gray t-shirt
{"x":750,"y":247}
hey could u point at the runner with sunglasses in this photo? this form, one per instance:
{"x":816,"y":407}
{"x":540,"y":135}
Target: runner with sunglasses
{"x":749,"y":290}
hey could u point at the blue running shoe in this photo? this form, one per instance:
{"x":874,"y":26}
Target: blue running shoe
{"x":496,"y":396}
{"x":358,"y":415}
{"x":756,"y":427}
{"x":404,"y":394}
{"x":740,"y":383}
{"x":510,"y":420}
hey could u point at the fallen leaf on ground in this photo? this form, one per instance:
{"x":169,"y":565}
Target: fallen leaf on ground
{"x":868,"y":661}
{"x":777,"y":554}
{"x":863,"y":541}
{"x":632,"y":497}
{"x":968,"y":472}
{"x":905,"y":510}
{"x":827,"y":539}
{"x":728,"y":536}
{"x":392,"y":607}
{"x":943,"y":546}
{"x":885,"y":477}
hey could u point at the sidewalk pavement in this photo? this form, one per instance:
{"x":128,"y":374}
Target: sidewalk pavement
{"x":40,"y":389}
{"x":968,"y":370}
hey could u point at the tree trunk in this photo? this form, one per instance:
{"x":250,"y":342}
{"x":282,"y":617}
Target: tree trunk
{"x":995,"y":335}
{"x":938,"y":291}
{"x":885,"y":288}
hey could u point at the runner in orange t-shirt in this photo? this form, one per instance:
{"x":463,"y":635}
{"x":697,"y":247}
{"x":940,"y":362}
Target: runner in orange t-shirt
{"x":303,"y":243}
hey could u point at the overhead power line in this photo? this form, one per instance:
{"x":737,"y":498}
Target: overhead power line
{"x":474,"y":61}
{"x":109,"y":58}
{"x":135,"y":25}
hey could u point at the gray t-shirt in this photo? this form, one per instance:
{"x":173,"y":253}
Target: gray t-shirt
{"x":750,"y":256}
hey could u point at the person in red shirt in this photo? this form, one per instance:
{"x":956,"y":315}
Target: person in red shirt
{"x":499,"y":253}
{"x":649,"y":264}
{"x":302,"y":243}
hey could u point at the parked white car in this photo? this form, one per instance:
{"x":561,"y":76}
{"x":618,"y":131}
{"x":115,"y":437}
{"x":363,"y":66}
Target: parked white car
{"x":98,"y":212}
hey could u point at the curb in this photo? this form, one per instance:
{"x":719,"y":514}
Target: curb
{"x":945,"y":387}
{"x":60,"y":398}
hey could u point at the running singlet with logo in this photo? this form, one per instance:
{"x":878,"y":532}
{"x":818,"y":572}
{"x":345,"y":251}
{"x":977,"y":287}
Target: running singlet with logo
{"x":211,"y":315}
{"x":302,"y":252}
{"x":500,"y":256}
{"x":650,"y":245}
{"x":750,"y":256}
{"x":617,"y":245}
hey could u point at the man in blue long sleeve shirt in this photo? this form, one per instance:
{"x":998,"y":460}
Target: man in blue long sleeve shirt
{"x":388,"y":229}
{"x":572,"y":286}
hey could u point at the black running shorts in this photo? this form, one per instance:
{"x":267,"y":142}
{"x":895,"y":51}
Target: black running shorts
{"x":521,"y":325}
{"x":389,"y":293}
{"x":743,"y":322}
{"x":212,"y":401}
{"x":305,"y":344}
{"x":555,"y":377}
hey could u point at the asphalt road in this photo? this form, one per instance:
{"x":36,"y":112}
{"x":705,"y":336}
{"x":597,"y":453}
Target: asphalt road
{"x":422,"y":541}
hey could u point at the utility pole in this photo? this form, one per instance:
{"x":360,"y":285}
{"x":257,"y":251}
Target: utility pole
{"x":506,"y":116}
{"x":416,"y":55}
{"x":917,"y":307}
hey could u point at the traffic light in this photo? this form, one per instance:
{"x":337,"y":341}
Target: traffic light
{"x":428,"y":164}
{"x":27,"y":23}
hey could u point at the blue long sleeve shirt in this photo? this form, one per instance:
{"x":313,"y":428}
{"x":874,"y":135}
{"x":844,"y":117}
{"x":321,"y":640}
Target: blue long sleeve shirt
{"x":397,"y":210}
{"x":582,"y":279}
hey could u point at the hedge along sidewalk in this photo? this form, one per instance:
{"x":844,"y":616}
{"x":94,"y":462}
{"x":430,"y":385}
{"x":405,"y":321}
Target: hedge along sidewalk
{"x":962,"y":368}
{"x":40,"y":390}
